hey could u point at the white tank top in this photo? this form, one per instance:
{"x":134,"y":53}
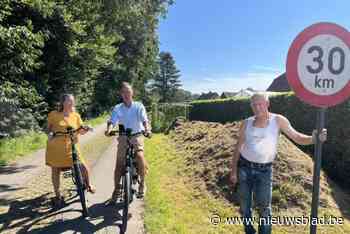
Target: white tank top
{"x":260,"y":144}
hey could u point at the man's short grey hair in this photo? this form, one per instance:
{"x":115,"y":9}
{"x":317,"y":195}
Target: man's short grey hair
{"x":259,"y":95}
{"x":126,"y":85}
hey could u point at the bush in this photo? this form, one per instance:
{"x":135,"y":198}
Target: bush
{"x":336,"y":152}
{"x":163,"y":114}
{"x":21,"y":108}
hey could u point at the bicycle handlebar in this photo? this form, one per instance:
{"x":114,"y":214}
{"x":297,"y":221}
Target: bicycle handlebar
{"x":125,"y":133}
{"x":71,"y":131}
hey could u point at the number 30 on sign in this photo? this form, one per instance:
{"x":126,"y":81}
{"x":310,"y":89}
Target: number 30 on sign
{"x":318,"y":65}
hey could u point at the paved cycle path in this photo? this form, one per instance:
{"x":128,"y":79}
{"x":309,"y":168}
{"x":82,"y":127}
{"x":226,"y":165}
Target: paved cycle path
{"x":103,"y":218}
{"x":32,"y":213}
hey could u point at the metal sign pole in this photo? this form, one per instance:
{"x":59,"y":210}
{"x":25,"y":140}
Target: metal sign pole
{"x":320,"y":122}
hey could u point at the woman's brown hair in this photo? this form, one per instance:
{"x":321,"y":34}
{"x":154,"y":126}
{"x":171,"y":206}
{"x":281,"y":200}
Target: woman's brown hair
{"x":62,"y":99}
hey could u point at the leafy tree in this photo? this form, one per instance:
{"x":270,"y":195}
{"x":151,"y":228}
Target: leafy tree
{"x":182,"y":95}
{"x":209,"y":95}
{"x":17,"y":118}
{"x":167,"y":80}
{"x":84,"y":47}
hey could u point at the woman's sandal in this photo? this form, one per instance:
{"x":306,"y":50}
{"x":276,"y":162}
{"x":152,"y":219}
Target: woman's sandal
{"x":58,"y":202}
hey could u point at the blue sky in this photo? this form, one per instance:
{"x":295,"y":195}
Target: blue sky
{"x":228,"y":45}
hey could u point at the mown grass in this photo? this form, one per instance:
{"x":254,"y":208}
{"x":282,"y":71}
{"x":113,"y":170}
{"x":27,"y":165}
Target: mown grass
{"x":175,"y":204}
{"x":97,"y":121}
{"x":12,"y":148}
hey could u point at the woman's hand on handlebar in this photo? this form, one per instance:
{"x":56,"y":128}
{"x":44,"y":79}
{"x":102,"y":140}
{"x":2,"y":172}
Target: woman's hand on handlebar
{"x":50,"y":136}
{"x":84,"y":129}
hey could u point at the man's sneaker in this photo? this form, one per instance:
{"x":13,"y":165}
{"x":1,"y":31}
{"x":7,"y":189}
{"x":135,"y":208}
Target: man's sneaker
{"x":140,"y":193}
{"x":116,"y":195}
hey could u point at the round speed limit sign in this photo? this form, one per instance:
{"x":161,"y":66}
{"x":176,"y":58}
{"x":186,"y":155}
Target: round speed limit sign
{"x":318,"y":65}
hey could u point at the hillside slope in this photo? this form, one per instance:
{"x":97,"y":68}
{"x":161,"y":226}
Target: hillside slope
{"x":209,"y":148}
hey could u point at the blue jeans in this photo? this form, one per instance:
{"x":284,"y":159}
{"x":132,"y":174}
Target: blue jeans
{"x":255,"y":183}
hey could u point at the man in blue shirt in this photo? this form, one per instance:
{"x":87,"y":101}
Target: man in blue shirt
{"x":132,"y":115}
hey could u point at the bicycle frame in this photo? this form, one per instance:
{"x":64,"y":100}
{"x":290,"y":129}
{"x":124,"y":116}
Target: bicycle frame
{"x":130,"y":163}
{"x":77,"y":177}
{"x":76,"y":165}
{"x":129,"y":176}
{"x":130,"y":155}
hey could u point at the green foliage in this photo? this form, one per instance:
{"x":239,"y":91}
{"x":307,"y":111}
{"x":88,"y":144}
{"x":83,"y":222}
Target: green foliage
{"x":336,"y":152}
{"x":21,"y":108}
{"x":182,"y":95}
{"x":20,"y":44}
{"x":173,"y":202}
{"x":83,"y":47}
{"x":163,"y":115}
{"x":97,"y":121}
{"x":220,"y":110}
{"x":167,"y":82}
{"x":156,"y":117}
{"x":209,"y":95}
{"x":15,"y":147}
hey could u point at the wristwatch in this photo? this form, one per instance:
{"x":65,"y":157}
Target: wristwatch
{"x":50,"y":135}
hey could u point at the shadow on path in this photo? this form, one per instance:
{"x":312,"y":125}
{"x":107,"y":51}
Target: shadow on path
{"x":11,"y":169}
{"x":37,"y":216}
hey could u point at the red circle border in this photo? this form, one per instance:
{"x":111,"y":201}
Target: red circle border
{"x":292,"y":65}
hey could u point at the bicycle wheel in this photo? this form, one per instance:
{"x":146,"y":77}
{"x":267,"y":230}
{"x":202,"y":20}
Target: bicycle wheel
{"x":127,"y":197}
{"x":80,"y":189}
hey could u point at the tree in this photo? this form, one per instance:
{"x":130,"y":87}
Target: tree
{"x":84,"y":47}
{"x":182,"y":95}
{"x":209,"y":95}
{"x":167,"y":81}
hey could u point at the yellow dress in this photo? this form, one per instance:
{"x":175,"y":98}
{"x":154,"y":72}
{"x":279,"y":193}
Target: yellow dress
{"x":59,"y":149}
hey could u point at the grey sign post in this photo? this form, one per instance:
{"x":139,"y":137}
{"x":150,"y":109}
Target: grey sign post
{"x":318,"y":71}
{"x":320,"y":122}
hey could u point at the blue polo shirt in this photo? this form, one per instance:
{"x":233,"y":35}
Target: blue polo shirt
{"x":131,"y":117}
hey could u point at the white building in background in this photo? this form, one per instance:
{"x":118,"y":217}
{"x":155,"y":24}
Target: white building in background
{"x":245,"y":93}
{"x":248,"y":92}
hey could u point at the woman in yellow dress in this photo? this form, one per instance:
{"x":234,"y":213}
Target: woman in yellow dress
{"x":59,"y":148}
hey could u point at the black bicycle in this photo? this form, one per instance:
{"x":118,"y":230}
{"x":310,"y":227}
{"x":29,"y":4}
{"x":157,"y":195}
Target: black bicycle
{"x":130,"y":176}
{"x":76,"y":169}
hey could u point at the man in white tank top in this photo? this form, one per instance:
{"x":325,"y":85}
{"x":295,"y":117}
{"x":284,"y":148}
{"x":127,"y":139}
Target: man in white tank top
{"x":252,"y":161}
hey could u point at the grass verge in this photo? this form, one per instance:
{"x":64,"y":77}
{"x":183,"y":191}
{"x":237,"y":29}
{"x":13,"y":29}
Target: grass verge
{"x":13,"y":148}
{"x":176,"y":203}
{"x":98,"y":120}
{"x":173,"y":204}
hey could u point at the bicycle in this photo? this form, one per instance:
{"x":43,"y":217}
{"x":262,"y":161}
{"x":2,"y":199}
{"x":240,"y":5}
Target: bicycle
{"x":129,"y":176}
{"x":75,"y":170}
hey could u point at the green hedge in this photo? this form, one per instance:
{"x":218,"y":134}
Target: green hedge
{"x":163,"y":114}
{"x":336,"y":152}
